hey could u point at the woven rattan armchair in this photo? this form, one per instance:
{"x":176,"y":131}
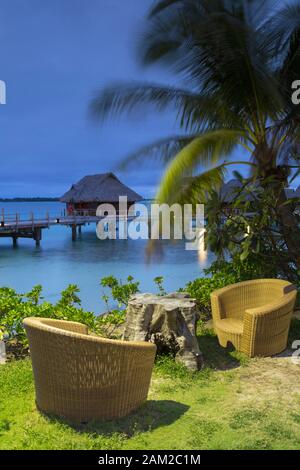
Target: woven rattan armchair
{"x":254,"y":316}
{"x":83,"y":378}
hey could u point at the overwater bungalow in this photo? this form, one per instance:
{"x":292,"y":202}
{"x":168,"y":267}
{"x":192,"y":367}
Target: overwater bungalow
{"x":229,"y":191}
{"x":86,"y":195}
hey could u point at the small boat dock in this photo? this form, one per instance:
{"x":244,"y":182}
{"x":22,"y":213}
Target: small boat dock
{"x":16,"y":226}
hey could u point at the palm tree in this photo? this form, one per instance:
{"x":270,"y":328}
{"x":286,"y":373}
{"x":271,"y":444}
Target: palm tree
{"x":239,"y":59}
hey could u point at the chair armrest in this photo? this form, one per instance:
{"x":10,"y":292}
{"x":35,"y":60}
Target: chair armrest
{"x":273,"y":309}
{"x":216,"y":308}
{"x":66,"y":325}
{"x":263,"y":323}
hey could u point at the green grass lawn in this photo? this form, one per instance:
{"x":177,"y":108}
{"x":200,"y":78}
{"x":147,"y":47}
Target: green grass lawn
{"x":234,"y":403}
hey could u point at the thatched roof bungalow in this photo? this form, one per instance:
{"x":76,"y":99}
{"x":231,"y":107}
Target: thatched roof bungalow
{"x":85,"y":196}
{"x":230,"y":190}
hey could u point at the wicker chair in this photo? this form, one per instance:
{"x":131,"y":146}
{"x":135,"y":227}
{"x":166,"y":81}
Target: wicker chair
{"x":83,"y":378}
{"x":254,"y":315}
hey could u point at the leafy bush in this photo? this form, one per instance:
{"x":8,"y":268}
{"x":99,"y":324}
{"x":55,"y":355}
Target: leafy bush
{"x":200,"y":289}
{"x":120,"y":293}
{"x":15,"y":307}
{"x":251,"y":228}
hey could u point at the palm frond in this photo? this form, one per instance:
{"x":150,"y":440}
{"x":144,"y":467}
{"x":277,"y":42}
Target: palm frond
{"x":280,"y":28}
{"x":258,"y":12}
{"x":162,"y":5}
{"x":196,"y":190}
{"x":295,"y":176}
{"x":214,"y":48}
{"x":127,"y":97}
{"x":194,"y":112}
{"x":161,"y":151}
{"x":205,"y":150}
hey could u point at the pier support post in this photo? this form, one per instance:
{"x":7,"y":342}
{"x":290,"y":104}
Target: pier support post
{"x":74,"y":233}
{"x":79,"y":229}
{"x":15,"y":241}
{"x":37,"y":235}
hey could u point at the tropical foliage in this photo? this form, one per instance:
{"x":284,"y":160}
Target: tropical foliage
{"x":14,"y":307}
{"x":239,"y":59}
{"x":249,"y":229}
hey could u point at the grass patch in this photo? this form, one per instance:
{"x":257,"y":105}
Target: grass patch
{"x":234,"y":403}
{"x":246,"y":417}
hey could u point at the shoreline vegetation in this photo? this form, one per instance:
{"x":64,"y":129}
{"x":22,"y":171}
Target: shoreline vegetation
{"x":115,"y":294}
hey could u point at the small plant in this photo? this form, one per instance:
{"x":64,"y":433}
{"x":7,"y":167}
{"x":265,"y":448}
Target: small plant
{"x":34,"y":296}
{"x":69,"y":296}
{"x":110,"y":322}
{"x":200,"y":289}
{"x":120,"y":293}
{"x":159,"y":282}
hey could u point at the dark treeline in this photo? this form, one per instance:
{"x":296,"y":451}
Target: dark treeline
{"x":29,"y":199}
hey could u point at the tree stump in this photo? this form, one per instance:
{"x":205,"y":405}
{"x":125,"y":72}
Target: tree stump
{"x":169,"y":322}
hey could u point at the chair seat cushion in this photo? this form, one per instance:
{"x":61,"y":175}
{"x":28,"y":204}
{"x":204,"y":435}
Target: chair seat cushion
{"x":230,"y":325}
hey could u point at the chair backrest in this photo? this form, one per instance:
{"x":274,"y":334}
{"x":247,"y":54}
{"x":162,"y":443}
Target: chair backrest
{"x":77,"y":375}
{"x":253,"y":294}
{"x":56,"y":344}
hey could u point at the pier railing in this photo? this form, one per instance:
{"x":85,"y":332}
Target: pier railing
{"x":17,"y":220}
{"x":30,"y":226}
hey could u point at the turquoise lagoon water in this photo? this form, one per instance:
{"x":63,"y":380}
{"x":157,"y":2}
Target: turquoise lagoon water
{"x":59,"y":261}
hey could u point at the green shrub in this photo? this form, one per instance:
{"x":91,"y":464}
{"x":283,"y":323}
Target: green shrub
{"x":200,"y":289}
{"x":15,"y":307}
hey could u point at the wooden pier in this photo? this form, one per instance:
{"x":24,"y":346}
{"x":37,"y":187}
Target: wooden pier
{"x":15,"y":226}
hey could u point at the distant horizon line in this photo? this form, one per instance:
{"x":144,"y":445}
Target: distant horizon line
{"x":29,"y":199}
{"x":40,"y":199}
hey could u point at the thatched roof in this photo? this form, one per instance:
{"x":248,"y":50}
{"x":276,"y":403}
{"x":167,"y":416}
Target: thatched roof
{"x":229,"y":191}
{"x":104,"y":187}
{"x":292,"y":193}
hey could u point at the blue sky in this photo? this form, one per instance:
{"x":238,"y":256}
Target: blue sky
{"x":54,"y":55}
